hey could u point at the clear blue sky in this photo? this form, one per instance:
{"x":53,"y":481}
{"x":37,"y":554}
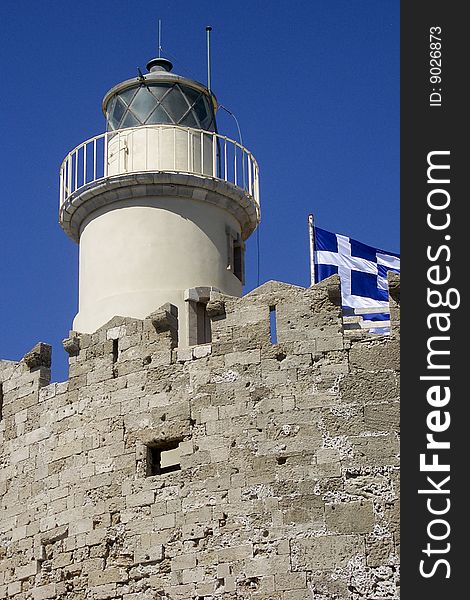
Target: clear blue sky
{"x":314,"y":85}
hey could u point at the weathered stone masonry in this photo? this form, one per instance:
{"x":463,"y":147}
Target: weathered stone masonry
{"x":288,"y":454}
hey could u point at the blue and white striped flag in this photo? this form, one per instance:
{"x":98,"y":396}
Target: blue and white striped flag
{"x":362,"y":270}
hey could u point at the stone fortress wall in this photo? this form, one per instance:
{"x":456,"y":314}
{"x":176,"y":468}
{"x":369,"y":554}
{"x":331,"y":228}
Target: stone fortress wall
{"x":240,"y":469}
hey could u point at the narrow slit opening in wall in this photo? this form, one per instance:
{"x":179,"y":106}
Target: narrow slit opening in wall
{"x":272,"y":324}
{"x":199,"y":323}
{"x":1,"y":400}
{"x":204,"y":334}
{"x":115,"y":350}
{"x":235,"y":254}
{"x":163,"y":457}
{"x":238,"y":260}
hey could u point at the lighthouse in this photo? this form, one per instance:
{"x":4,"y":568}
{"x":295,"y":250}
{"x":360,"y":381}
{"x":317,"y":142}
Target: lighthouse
{"x":160,"y":204}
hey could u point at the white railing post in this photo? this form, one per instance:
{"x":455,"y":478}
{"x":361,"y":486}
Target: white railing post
{"x":257,"y":185}
{"x":202,"y":152}
{"x":250,"y":188}
{"x":214,"y":155}
{"x":69,"y":175}
{"x":84,"y":164}
{"x":191,"y":151}
{"x":94,"y":159}
{"x":76,"y":169}
{"x":243,"y":168}
{"x":105,"y":157}
{"x":188,"y":153}
{"x":61,"y":186}
{"x":235,"y":164}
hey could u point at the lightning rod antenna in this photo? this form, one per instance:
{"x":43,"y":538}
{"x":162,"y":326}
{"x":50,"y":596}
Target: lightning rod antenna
{"x":208,"y":30}
{"x":159,"y":38}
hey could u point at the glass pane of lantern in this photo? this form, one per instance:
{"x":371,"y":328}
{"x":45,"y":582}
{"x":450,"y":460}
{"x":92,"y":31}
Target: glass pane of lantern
{"x":189,"y":120}
{"x":159,"y":90}
{"x":118,"y":112}
{"x":200,"y":108}
{"x":127,"y":95}
{"x":175,"y":104}
{"x":191,"y":94}
{"x":130,"y":121}
{"x":209,"y":121}
{"x":159,"y":116}
{"x":143,"y":104}
{"x":109,"y":113}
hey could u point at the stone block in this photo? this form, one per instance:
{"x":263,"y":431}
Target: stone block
{"x":302,"y":509}
{"x":392,"y":518}
{"x":376,"y":356}
{"x":200,"y":515}
{"x":242,"y":358}
{"x":378,"y":550}
{"x":347,"y":420}
{"x":373,"y":486}
{"x":62,"y":560}
{"x":149,"y":554}
{"x":325,"y":552}
{"x":109,"y":575}
{"x":44,"y":591}
{"x":367,"y":387}
{"x":330,"y":343}
{"x":327,"y":455}
{"x":114,"y":333}
{"x":265,"y":565}
{"x":25,"y":571}
{"x":79,"y":526}
{"x":54,"y":534}
{"x":382,"y":417}
{"x":290,"y":581}
{"x":39,"y":356}
{"x":235,"y":553}
{"x":143,"y":498}
{"x":19,"y":455}
{"x":184,"y":354}
{"x":14,"y":588}
{"x":72,"y":345}
{"x":378,"y":450}
{"x":202,"y":351}
{"x":195,"y":575}
{"x":350,"y":517}
{"x":164,"y":522}
{"x":305,"y":594}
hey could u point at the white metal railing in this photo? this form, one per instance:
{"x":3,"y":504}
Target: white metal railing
{"x":150,"y":148}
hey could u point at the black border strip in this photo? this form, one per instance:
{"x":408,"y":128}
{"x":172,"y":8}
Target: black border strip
{"x":432,"y":124}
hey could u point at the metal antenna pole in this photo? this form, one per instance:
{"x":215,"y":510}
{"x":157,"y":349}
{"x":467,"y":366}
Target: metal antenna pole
{"x":208,"y":30}
{"x":311,"y":232}
{"x":159,"y":38}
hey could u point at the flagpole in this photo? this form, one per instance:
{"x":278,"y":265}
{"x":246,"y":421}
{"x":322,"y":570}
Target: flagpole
{"x":311,"y":233}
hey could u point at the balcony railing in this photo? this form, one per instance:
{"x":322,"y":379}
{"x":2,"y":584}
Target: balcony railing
{"x":157,"y":148}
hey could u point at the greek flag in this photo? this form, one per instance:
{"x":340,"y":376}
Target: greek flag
{"x":363,"y":273}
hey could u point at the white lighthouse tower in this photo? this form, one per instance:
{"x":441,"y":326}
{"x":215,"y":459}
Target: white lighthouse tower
{"x":160,"y":205}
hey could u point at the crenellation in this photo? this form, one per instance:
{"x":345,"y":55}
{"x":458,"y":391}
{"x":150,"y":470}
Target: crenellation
{"x":287,"y":456}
